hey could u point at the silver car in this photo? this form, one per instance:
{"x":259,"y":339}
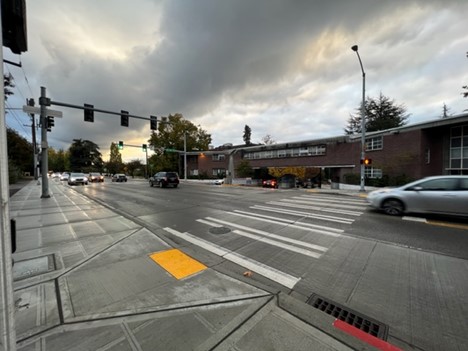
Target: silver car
{"x":446,"y":195}
{"x":77,"y":178}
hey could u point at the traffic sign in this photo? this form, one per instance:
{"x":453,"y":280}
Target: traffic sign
{"x":37,"y":111}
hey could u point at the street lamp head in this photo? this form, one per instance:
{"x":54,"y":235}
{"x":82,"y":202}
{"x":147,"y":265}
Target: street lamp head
{"x":354,"y":48}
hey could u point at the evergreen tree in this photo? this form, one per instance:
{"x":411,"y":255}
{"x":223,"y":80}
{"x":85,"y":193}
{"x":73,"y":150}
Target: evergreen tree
{"x":115,"y":164}
{"x":445,"y":111}
{"x":85,"y":156}
{"x":381,"y":113}
{"x":247,"y":135}
{"x":20,"y":151}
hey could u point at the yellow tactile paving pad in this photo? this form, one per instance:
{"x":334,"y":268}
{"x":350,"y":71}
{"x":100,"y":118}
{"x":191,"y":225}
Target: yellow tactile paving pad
{"x":177,"y":263}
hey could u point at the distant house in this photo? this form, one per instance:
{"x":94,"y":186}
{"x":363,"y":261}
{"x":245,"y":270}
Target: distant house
{"x":414,"y":151}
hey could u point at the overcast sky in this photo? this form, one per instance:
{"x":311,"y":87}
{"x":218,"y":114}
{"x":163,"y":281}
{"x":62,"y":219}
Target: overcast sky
{"x":283,"y":67}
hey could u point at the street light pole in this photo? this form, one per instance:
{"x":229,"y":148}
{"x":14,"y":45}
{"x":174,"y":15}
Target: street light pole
{"x":363,"y":120}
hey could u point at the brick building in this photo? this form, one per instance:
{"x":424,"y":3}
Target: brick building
{"x":415,"y":151}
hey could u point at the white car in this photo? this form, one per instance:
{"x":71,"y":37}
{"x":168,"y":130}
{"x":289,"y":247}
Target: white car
{"x":446,"y":195}
{"x":219,"y":181}
{"x":65,"y":176}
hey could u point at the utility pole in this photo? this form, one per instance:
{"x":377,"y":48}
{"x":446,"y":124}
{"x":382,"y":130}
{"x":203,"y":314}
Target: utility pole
{"x":44,"y":145}
{"x":7,"y":304}
{"x":30,"y":102}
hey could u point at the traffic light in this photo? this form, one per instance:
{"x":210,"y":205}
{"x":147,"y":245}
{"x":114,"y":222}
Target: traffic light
{"x":144,"y":147}
{"x":50,"y":123}
{"x":120,"y":145}
{"x":366,"y":161}
{"x":14,"y":30}
{"x":124,"y":118}
{"x":153,"y":122}
{"x":88,"y":114}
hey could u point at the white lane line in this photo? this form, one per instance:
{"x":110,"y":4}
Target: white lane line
{"x":304,"y":214}
{"x":288,"y":221}
{"x":414,"y":219}
{"x":278,"y":244}
{"x":278,"y":276}
{"x":322,"y":209}
{"x":282,"y":238}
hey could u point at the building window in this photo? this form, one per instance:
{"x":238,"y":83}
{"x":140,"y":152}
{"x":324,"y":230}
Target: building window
{"x":374,"y":173}
{"x":219,"y":172}
{"x":218,"y":157}
{"x":459,"y":147}
{"x":375,"y":143}
{"x":427,"y":156}
{"x":317,"y":150}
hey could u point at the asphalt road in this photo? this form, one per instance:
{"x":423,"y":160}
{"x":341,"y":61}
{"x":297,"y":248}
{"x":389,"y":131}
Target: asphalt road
{"x":182,"y":206}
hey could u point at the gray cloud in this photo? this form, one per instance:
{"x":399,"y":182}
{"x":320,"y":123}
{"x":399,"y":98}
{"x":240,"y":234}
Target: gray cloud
{"x":285,"y":68}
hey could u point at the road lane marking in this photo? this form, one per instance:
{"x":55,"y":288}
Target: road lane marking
{"x":261,"y":232}
{"x":279,"y":244}
{"x":448,"y":224}
{"x":332,"y":200}
{"x":271,"y":235}
{"x":336,"y":207}
{"x":177,"y":263}
{"x":315,"y":208}
{"x":210,"y":223}
{"x":276,"y":219}
{"x":414,"y":219}
{"x":271,"y":273}
{"x":304,"y":214}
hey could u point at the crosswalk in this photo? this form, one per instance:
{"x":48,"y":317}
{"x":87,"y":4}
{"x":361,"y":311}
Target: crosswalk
{"x":277,"y":238}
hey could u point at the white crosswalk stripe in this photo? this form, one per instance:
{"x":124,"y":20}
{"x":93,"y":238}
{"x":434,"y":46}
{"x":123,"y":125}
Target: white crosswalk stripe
{"x":303,"y":214}
{"x":293,"y":224}
{"x":270,"y":235}
{"x":276,"y":275}
{"x":296,"y":204}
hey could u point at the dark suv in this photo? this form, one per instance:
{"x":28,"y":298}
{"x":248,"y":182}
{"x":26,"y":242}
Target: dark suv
{"x":164,"y":179}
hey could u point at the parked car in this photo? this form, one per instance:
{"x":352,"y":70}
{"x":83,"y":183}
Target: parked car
{"x":164,"y":179}
{"x":270,"y":183}
{"x":64,"y":176}
{"x":447,"y":195}
{"x":119,"y":177}
{"x":77,"y":178}
{"x":95,"y":177}
{"x":219,"y":181}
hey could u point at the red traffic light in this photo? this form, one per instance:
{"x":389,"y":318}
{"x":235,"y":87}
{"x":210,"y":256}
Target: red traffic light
{"x":366,"y":161}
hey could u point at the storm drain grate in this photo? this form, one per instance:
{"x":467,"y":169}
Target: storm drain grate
{"x":347,"y":315}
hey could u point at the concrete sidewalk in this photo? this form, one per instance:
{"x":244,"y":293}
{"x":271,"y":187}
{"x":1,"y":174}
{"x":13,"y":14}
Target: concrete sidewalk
{"x":87,"y":278}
